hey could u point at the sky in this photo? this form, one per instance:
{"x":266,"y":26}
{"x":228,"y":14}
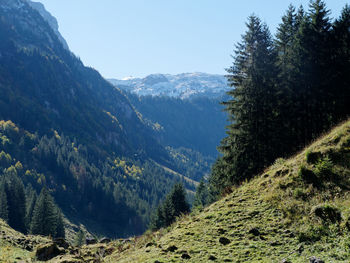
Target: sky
{"x":122,"y":38}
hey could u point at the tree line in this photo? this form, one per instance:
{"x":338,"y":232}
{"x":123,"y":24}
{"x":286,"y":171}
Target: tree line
{"x":286,"y":90}
{"x":27,"y":212}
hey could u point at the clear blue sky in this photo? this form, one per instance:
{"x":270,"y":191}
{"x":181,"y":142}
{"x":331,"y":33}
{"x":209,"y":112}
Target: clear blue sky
{"x":138,"y":37}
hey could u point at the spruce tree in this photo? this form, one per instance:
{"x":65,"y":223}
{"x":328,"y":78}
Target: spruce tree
{"x":16,"y":200}
{"x":3,"y":202}
{"x":173,"y":206}
{"x":31,"y":198}
{"x":249,"y":142}
{"x":60,"y":225}
{"x":341,"y":65}
{"x":202,"y":195}
{"x":168,"y":212}
{"x":178,"y":199}
{"x":311,"y":53}
{"x":157,"y":219}
{"x":44,"y":219}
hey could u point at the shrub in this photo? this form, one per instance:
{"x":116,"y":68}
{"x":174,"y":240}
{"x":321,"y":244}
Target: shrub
{"x":313,"y":233}
{"x":299,"y":193}
{"x":308,"y":175}
{"x":324,"y":167}
{"x":312,"y":157}
{"x":327,"y":213}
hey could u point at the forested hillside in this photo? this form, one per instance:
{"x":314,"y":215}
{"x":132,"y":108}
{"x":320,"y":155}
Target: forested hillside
{"x":185,"y":122}
{"x":67,"y":129}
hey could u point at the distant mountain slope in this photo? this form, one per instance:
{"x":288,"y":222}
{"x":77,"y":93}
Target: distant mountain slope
{"x":51,"y":89}
{"x":197,"y":123}
{"x":186,"y":85}
{"x":73,"y":132}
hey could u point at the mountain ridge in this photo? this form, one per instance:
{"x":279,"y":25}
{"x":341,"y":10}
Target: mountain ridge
{"x":184,"y":85}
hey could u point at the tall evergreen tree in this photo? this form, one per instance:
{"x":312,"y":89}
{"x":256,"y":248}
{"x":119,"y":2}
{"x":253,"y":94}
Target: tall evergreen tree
{"x":3,"y":202}
{"x":31,"y":198}
{"x":60,"y":225}
{"x":173,"y":206}
{"x":246,"y":149}
{"x":178,"y":199}
{"x":45,"y":216}
{"x":15,"y":199}
{"x":340,"y":66}
{"x":202,"y":195}
{"x":311,"y":53}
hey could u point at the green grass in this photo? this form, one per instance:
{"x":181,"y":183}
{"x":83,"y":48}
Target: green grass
{"x":280,"y":204}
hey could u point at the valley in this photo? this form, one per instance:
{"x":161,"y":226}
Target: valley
{"x":251,"y":165}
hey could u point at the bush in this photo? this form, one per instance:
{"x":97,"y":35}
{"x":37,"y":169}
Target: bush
{"x":327,"y":213}
{"x":324,"y":168}
{"x":308,"y":175}
{"x":312,"y":157}
{"x":313,"y":234}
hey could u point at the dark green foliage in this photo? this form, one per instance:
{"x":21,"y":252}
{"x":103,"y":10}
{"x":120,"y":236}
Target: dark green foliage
{"x":46,"y":219}
{"x":191,"y":163}
{"x":286,"y":92}
{"x":308,"y":175}
{"x":312,"y":157}
{"x":4,"y":213}
{"x":103,"y":191}
{"x":252,"y":108}
{"x":60,"y":224}
{"x":324,"y":168}
{"x":328,"y":213}
{"x":174,"y":205}
{"x":313,"y":234}
{"x":202,"y":197}
{"x":16,"y":201}
{"x":31,"y":197}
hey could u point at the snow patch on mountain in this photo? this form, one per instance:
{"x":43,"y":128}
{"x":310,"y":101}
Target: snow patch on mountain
{"x":183,"y":85}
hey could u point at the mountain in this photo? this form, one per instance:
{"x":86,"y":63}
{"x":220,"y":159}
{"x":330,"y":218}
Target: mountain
{"x":296,"y":211}
{"x":186,"y":85}
{"x":64,"y":127}
{"x":185,"y":123}
{"x":52,"y":21}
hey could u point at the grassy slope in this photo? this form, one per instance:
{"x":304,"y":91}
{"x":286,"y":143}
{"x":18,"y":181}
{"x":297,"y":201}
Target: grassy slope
{"x":280,"y":204}
{"x":13,"y":244}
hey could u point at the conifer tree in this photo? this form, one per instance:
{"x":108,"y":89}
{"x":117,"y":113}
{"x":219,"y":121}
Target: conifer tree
{"x":60,"y":225}
{"x":202,"y":195}
{"x":3,"y":203}
{"x":15,"y":200}
{"x":178,"y":199}
{"x":247,"y":147}
{"x":44,"y":219}
{"x":341,"y":65}
{"x":157,"y":219}
{"x":173,"y":206}
{"x":311,"y":54}
{"x":31,"y":198}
